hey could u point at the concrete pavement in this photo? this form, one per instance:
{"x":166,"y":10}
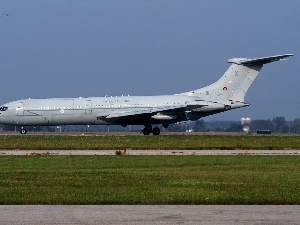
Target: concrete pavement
{"x":152,"y":214}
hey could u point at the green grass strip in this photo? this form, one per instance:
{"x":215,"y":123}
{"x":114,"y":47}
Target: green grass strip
{"x":243,"y":179}
{"x":173,"y":142}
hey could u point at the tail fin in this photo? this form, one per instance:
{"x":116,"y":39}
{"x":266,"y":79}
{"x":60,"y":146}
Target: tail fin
{"x":235,"y":82}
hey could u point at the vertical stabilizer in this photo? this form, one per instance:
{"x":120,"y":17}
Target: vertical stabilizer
{"x":236,"y":81}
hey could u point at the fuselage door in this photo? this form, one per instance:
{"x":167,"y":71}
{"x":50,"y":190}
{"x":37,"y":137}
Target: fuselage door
{"x":88,"y":106}
{"x":20,"y":108}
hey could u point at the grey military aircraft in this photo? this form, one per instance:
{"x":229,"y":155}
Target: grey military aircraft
{"x":225,"y":94}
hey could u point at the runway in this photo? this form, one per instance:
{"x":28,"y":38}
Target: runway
{"x":150,"y":152}
{"x":152,"y":214}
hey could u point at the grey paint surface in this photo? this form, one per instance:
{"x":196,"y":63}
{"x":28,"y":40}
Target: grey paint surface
{"x":152,"y":214}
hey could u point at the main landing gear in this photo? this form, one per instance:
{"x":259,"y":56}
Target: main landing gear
{"x":148,"y":130}
{"x":23,"y":131}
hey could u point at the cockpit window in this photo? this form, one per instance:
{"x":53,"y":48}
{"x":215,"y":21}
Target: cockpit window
{"x":3,"y":108}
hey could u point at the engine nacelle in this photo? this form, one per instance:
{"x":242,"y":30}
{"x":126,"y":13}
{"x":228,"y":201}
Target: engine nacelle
{"x":212,"y":107}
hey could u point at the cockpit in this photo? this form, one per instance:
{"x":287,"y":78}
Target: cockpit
{"x":3,"y":108}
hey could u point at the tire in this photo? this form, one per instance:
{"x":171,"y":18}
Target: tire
{"x":156,"y":131}
{"x":23,"y":131}
{"x":146,"y":131}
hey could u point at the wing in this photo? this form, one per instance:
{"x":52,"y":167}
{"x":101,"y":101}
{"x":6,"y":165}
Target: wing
{"x":170,"y":113}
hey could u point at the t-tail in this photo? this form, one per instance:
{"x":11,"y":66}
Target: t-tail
{"x":235,"y":82}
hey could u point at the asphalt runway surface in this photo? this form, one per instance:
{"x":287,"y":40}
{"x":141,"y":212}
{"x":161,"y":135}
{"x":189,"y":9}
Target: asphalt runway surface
{"x":150,"y":152}
{"x":152,"y":214}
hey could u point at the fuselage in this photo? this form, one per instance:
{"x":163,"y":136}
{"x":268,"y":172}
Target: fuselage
{"x":85,"y":111}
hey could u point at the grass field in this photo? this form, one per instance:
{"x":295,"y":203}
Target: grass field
{"x":173,"y":142}
{"x":150,"y":179}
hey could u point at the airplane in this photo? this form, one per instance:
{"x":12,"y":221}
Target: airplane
{"x":225,"y":94}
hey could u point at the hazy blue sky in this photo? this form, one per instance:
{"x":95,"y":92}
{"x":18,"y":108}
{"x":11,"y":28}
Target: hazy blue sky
{"x":72,"y":48}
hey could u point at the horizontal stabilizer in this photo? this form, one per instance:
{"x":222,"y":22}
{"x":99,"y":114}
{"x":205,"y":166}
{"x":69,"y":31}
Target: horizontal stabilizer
{"x":258,"y":61}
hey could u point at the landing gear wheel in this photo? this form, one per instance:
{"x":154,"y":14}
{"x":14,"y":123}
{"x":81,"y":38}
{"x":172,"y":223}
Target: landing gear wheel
{"x":156,"y":131}
{"x":146,"y":131}
{"x":23,"y":131}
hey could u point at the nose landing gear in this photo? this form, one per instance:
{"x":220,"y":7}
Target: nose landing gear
{"x":23,"y":131}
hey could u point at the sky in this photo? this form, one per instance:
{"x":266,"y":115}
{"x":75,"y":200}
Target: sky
{"x":92,"y":48}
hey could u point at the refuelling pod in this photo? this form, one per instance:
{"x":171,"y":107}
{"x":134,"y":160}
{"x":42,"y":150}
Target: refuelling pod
{"x":159,"y":116}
